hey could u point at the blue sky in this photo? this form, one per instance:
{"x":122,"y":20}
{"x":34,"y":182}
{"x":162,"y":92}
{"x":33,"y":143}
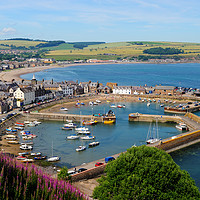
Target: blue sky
{"x":101,"y":20}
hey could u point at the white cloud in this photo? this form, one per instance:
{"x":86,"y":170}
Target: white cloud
{"x":8,"y":31}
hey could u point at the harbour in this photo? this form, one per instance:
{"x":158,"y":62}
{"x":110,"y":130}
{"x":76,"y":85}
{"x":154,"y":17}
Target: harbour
{"x":113,"y":138}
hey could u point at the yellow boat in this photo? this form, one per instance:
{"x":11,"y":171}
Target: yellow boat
{"x":109,"y":122}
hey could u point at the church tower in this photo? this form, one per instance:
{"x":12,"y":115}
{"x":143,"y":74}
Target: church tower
{"x":33,"y":81}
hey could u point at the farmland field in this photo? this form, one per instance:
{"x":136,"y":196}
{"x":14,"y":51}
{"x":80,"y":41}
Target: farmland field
{"x":18,"y":43}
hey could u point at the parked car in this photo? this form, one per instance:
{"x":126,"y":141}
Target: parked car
{"x":81,"y":170}
{"x":108,"y":159}
{"x":99,"y":164}
{"x":71,"y":172}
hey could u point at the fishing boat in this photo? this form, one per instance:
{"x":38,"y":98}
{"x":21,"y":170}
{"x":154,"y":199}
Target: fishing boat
{"x":95,"y":103}
{"x":27,"y":122}
{"x":81,"y":148}
{"x":12,"y":142}
{"x":119,"y":106}
{"x":93,"y":144}
{"x":66,"y":128}
{"x":19,"y":127}
{"x":36,"y":154}
{"x":72,"y":137}
{"x":26,"y":143}
{"x":40,"y":158}
{"x":27,"y":160}
{"x":87,"y":137}
{"x":11,"y":130}
{"x":26,"y":147}
{"x":31,"y":124}
{"x":70,"y":125}
{"x":26,"y":137}
{"x":19,"y":124}
{"x":32,"y":135}
{"x":53,"y":158}
{"x":123,"y":106}
{"x":87,"y":123}
{"x":11,"y":137}
{"x":85,"y":132}
{"x":91,"y":103}
{"x":81,"y":128}
{"x":109,"y":122}
{"x":182,"y":127}
{"x":36,"y":122}
{"x":98,"y":101}
{"x":21,"y":157}
{"x":82,"y":104}
{"x":24,"y":153}
{"x":63,"y":109}
{"x":152,"y":137}
{"x":161,"y":105}
{"x":148,"y":104}
{"x":113,"y":106}
{"x":25,"y":132}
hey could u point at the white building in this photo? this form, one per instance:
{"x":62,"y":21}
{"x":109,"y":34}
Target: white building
{"x":24,"y":96}
{"x":66,"y":89}
{"x":122,"y":90}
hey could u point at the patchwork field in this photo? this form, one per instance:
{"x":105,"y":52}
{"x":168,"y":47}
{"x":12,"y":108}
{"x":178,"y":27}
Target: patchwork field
{"x":125,"y":49}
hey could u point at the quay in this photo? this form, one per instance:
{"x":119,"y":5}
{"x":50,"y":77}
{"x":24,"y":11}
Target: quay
{"x":182,"y":109}
{"x":64,"y":117}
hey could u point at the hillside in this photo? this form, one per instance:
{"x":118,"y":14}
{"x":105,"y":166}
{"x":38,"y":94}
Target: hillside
{"x":61,"y":50}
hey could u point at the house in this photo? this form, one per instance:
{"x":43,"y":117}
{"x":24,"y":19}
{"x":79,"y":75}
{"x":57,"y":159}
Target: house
{"x":24,"y":96}
{"x":93,"y":86}
{"x":66,"y":89}
{"x":104,"y":89}
{"x":164,"y":90}
{"x":85,"y":87}
{"x":122,"y":90}
{"x":138,"y":90}
{"x":111,"y":85}
{"x":3,"y":106}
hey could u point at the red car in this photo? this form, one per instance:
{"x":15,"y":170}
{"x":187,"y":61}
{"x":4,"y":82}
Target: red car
{"x":99,"y":164}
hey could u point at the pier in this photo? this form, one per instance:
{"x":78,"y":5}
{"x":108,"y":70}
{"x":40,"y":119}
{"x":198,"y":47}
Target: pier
{"x":188,"y":108}
{"x":62,"y":117}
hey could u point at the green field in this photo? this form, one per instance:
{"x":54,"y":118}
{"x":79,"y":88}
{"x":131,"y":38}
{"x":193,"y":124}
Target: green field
{"x":18,"y":43}
{"x":106,"y":51}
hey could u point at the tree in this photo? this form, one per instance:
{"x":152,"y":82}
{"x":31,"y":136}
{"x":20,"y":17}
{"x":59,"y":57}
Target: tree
{"x":145,"y":173}
{"x":63,"y":174}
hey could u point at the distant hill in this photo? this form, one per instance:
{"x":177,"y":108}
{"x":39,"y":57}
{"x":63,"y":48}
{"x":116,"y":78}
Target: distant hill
{"x":61,"y":50}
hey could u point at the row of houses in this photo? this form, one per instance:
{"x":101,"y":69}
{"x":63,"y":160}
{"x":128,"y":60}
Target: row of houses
{"x":19,"y":93}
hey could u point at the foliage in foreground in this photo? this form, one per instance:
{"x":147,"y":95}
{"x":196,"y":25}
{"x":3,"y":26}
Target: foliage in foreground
{"x":145,"y":173}
{"x":21,"y":182}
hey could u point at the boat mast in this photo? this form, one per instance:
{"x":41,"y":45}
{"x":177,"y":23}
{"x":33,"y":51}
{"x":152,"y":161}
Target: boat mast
{"x":149,"y":132}
{"x":52,"y":148}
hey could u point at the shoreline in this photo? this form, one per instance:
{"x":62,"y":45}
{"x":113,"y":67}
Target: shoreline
{"x":16,"y":73}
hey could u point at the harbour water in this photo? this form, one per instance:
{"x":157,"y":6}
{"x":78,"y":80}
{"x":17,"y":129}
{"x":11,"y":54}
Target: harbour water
{"x":117,"y":138}
{"x":113,"y":139}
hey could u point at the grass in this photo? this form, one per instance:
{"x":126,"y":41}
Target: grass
{"x":18,"y":43}
{"x":64,"y":46}
{"x":82,"y":57}
{"x":121,"y":49}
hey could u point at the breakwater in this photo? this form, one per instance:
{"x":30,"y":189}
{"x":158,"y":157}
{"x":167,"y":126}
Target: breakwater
{"x":62,"y":117}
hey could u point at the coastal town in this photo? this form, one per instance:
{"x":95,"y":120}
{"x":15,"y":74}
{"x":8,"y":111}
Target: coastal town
{"x":19,"y":94}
